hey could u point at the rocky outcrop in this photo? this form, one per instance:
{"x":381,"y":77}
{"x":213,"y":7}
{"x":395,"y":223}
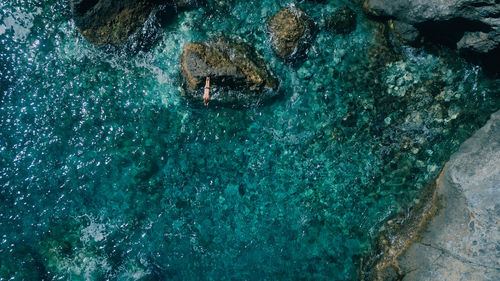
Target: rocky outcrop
{"x":405,"y":32}
{"x":342,"y":21}
{"x":110,"y":21}
{"x":104,"y":22}
{"x":460,"y":242}
{"x":238,"y":75}
{"x":291,"y":32}
{"x":473,"y":26}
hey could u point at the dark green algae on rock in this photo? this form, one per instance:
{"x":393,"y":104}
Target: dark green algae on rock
{"x":238,"y":75}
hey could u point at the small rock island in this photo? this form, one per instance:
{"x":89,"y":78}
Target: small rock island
{"x":291,"y":32}
{"x":238,"y":74}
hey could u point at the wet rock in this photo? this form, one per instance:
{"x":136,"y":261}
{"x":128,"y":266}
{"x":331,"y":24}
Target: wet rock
{"x":342,"y":21}
{"x":110,"y":21}
{"x":479,"y":42}
{"x":406,"y":33}
{"x":291,"y":32}
{"x":381,"y":51}
{"x":104,"y":22}
{"x":389,"y":273}
{"x":473,"y":24}
{"x":238,"y":75}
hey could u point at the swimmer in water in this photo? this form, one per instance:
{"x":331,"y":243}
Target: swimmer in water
{"x":206,"y":92}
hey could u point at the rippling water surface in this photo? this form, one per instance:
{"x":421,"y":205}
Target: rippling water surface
{"x":107,"y":173}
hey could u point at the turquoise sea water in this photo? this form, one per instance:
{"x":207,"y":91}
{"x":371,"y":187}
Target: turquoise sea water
{"x":107,"y":173}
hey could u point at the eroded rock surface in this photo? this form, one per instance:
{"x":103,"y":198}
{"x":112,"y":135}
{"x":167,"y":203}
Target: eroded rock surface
{"x":291,"y":32}
{"x":238,"y":75}
{"x":104,"y":22}
{"x":110,"y":21}
{"x":461,"y":241}
{"x":405,"y":32}
{"x":473,"y":26}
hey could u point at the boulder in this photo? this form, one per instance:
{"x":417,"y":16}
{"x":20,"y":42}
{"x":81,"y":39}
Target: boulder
{"x":238,"y":75}
{"x":342,"y":21}
{"x":472,"y":26}
{"x":104,"y":22}
{"x":479,"y":42}
{"x":291,"y":32}
{"x":110,"y":21}
{"x":406,"y":33}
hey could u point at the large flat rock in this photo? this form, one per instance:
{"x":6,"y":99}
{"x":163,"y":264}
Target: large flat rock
{"x":462,"y":242}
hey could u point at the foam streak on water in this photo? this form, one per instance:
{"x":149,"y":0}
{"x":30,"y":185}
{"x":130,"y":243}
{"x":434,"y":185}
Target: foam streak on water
{"x":106,"y":173}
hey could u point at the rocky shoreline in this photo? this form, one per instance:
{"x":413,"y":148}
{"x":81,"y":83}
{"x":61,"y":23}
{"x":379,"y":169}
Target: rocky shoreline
{"x":470,"y":26}
{"x":452,"y":232}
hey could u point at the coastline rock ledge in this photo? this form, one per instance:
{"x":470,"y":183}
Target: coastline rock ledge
{"x":461,"y":241}
{"x":472,"y":26}
{"x":238,"y":75}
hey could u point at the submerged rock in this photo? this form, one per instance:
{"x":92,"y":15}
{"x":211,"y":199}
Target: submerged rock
{"x":66,"y":256}
{"x":237,"y":74}
{"x":342,"y":21}
{"x":473,"y":24}
{"x":291,"y":32}
{"x":20,"y":265}
{"x":104,"y":22}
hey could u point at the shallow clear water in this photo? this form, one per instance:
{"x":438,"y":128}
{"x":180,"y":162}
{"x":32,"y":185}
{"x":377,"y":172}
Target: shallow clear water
{"x":106,"y":173}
